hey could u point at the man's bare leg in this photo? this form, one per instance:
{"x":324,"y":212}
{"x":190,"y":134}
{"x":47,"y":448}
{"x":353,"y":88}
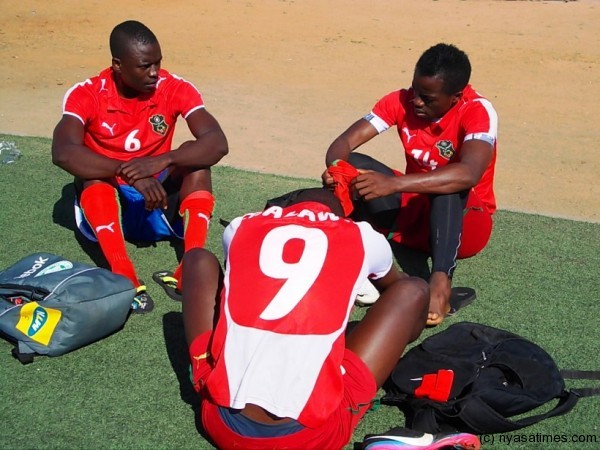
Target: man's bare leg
{"x":440,"y":285}
{"x":395,"y":320}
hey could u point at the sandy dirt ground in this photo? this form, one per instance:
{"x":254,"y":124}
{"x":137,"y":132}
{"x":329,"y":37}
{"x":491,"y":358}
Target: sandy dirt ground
{"x":285,"y":77}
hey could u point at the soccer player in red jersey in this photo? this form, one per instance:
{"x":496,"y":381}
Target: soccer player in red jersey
{"x":267,"y":338}
{"x":443,"y":203}
{"x":115,"y":138}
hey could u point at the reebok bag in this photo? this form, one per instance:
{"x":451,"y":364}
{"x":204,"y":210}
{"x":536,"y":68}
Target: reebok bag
{"x":50,"y":305}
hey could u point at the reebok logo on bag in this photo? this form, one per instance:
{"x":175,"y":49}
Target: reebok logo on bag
{"x":474,"y":378}
{"x":50,"y":305}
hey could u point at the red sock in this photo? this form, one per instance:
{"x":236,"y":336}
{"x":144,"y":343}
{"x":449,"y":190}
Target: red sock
{"x":199,"y":355}
{"x":102,"y":210}
{"x":196,"y":210}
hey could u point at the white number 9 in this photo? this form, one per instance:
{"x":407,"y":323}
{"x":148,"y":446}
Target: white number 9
{"x":300,"y":275}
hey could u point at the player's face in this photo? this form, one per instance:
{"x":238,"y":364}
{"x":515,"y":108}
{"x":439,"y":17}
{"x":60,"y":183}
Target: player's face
{"x":429,"y":99}
{"x":138,"y":69}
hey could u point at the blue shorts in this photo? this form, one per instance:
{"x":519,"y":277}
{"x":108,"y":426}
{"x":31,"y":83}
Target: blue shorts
{"x":139,"y":225}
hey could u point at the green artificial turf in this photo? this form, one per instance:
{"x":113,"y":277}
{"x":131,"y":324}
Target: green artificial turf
{"x":537,"y":277}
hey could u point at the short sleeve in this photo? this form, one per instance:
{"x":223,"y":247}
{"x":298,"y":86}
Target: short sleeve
{"x":378,"y":252}
{"x":186,"y":97}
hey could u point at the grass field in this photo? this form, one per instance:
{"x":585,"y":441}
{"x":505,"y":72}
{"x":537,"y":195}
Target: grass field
{"x":538,"y":277}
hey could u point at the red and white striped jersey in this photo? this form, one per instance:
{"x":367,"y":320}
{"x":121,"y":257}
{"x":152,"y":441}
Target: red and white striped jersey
{"x":290,"y":281}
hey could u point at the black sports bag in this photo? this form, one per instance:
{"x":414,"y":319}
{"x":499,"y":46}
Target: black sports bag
{"x":475,"y":378}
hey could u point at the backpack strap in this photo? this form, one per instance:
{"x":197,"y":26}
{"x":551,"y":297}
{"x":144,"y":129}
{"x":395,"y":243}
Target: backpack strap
{"x":583,"y":375}
{"x":482,"y":418}
{"x":586,"y":392}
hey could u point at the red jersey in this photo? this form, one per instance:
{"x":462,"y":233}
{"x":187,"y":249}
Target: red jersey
{"x":122,"y":128}
{"x":429,"y":145}
{"x":290,"y":281}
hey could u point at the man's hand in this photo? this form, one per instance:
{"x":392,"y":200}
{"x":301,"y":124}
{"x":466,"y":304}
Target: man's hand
{"x":153,"y":192}
{"x":370,"y":184}
{"x":139,"y":168}
{"x":328,"y":181}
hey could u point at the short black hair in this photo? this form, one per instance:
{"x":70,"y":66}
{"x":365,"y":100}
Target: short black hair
{"x":447,"y":62}
{"x":315,"y":194}
{"x":125,"y":33}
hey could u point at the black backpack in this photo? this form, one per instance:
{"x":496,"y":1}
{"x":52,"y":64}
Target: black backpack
{"x":474,"y":378}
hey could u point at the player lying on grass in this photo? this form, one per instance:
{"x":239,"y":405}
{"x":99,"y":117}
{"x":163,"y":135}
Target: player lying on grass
{"x":267,"y":338}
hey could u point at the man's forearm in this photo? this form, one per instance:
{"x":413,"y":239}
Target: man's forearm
{"x":204,"y":152}
{"x":446,"y":180}
{"x":81,"y":162}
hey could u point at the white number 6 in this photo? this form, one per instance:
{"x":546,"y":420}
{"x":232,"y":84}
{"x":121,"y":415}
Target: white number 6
{"x":131,"y":143}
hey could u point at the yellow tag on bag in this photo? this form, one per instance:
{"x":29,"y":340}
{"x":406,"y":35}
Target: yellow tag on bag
{"x":37,"y":322}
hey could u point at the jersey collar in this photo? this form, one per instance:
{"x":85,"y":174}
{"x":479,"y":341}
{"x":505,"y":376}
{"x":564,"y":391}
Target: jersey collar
{"x":115,"y":102}
{"x":444,"y":122}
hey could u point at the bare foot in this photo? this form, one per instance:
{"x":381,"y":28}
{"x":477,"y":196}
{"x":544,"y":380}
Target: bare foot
{"x":439,"y":299}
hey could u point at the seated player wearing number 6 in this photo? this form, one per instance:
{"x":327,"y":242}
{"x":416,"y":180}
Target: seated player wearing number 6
{"x":267,"y":339}
{"x":115,"y":138}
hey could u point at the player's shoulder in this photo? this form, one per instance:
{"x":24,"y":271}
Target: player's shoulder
{"x":470,"y":95}
{"x":169,"y":78}
{"x":395,"y":96}
{"x":173,"y":84}
{"x":94,"y":84}
{"x":366,"y":229}
{"x":474,"y":101}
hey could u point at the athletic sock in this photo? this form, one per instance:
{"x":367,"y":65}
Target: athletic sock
{"x":102,"y":210}
{"x":199,"y":367}
{"x":196,"y":210}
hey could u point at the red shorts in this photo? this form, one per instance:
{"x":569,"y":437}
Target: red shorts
{"x":413,"y":224}
{"x":359,"y":392}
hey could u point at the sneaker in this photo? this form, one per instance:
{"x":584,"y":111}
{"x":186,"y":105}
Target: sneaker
{"x":367,"y":294}
{"x":406,"y":439}
{"x":142,"y":302}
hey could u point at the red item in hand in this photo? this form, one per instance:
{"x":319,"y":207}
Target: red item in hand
{"x":343,"y":173}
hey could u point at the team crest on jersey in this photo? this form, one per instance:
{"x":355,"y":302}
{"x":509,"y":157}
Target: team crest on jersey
{"x":446,"y":149}
{"x":158,"y":124}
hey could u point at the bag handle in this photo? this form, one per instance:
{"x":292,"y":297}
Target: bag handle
{"x":476,"y":412}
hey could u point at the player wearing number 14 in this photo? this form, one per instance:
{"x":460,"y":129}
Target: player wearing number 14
{"x":442,"y":205}
{"x":115,"y":136}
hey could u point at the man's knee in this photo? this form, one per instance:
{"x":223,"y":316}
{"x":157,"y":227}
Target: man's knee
{"x":362,"y":161}
{"x":411,"y":295}
{"x":199,"y":258}
{"x":195,"y":180}
{"x":416,"y":289}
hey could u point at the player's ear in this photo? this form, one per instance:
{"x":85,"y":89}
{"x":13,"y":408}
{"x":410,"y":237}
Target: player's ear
{"x":456,"y":97}
{"x":116,"y":65}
